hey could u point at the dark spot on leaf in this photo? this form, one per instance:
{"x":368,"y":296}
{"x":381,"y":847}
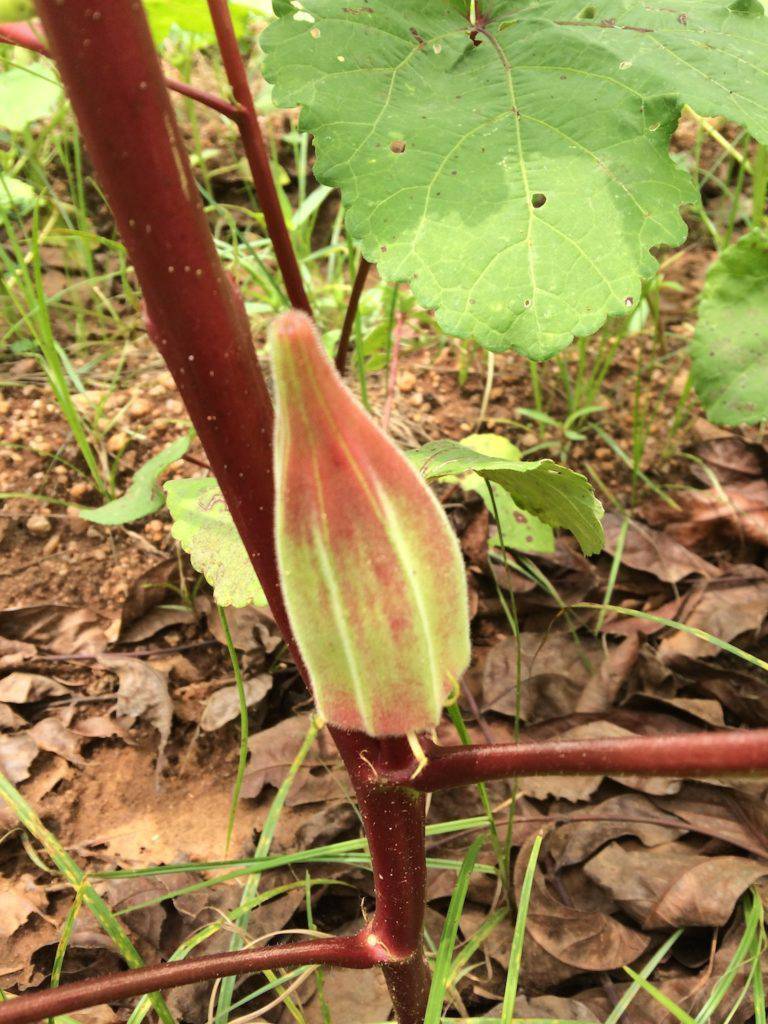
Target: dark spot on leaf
{"x":419,"y":38}
{"x":384,"y":248}
{"x":398,"y":146}
{"x":629,"y":302}
{"x":520,"y":518}
{"x":683,"y":19}
{"x":537,"y":200}
{"x":527,"y":303}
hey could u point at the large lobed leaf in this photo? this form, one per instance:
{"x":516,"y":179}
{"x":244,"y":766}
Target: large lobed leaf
{"x":729,"y":352}
{"x":518,"y":184}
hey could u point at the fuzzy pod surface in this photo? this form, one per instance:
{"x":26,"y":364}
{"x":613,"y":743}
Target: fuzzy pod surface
{"x":370,"y":568}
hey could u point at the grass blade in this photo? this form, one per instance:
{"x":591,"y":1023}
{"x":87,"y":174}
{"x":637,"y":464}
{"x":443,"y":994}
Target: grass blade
{"x":77,"y":879}
{"x":444,"y":958}
{"x":516,"y":952}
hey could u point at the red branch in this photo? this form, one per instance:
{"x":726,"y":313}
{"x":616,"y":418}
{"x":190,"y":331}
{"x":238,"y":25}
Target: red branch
{"x":691,"y":755}
{"x":22,"y":34}
{"x":356,"y":952}
{"x":256,"y":154}
{"x":349,"y":317}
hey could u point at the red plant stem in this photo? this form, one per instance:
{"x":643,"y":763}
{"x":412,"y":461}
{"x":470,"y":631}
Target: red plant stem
{"x":691,"y":755}
{"x":354,"y":951}
{"x":23,"y":34}
{"x":349,"y":317}
{"x":256,"y":155}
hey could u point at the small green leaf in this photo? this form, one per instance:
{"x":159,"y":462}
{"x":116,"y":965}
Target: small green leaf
{"x":202,"y":524}
{"x":27,"y":94}
{"x":16,"y":10}
{"x":729,"y":351}
{"x":15,"y":192}
{"x":190,"y":16}
{"x":519,"y":530}
{"x":557,"y":495}
{"x":144,"y":496}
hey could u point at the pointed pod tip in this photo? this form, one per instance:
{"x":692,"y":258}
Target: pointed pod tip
{"x":293,"y":325}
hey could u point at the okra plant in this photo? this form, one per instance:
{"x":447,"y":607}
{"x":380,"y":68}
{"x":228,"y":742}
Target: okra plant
{"x":510,"y":161}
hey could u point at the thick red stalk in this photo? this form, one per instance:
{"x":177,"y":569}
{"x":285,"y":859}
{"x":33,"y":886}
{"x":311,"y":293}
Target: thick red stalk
{"x":199,"y":325}
{"x":21,"y":33}
{"x":256,"y":154}
{"x":354,"y":951}
{"x":691,"y":755}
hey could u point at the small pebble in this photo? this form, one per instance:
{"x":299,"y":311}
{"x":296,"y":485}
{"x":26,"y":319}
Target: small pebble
{"x":52,"y":544}
{"x":406,"y":381}
{"x":117,"y":442}
{"x":39,"y":525}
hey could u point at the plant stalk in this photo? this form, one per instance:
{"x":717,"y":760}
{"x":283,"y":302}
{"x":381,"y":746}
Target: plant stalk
{"x":199,"y":325}
{"x":256,"y":154}
{"x":349,"y":317}
{"x":337,"y":951}
{"x":689,"y":755}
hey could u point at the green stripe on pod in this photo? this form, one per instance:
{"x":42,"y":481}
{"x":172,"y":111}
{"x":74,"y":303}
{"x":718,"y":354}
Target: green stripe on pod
{"x":371,"y":571}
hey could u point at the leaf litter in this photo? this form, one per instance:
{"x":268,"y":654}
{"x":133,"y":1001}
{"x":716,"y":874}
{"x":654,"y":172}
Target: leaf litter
{"x":118,"y":720}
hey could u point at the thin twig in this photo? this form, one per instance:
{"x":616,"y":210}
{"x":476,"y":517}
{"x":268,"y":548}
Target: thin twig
{"x":23,"y":34}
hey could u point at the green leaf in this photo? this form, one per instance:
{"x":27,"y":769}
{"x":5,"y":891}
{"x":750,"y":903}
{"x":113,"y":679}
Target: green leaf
{"x":190,"y":16}
{"x":557,"y":495}
{"x":27,"y":94}
{"x":202,"y":524}
{"x":15,"y":192}
{"x":16,"y":10}
{"x":144,"y":495}
{"x":519,"y":530}
{"x":729,"y":351}
{"x":518,"y":184}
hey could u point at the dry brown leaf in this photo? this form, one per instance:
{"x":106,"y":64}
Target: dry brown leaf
{"x":224,"y":705}
{"x":589,"y":941}
{"x":554,"y":672}
{"x":657,"y":553}
{"x":50,"y":735}
{"x":739,"y":511}
{"x":17,"y":752}
{"x":629,"y":814}
{"x":14,"y":652}
{"x":726,"y":608}
{"x":671,"y":886}
{"x":27,"y":687}
{"x":140,"y":618}
{"x":726,"y":814}
{"x":19,"y":900}
{"x":9,"y":720}
{"x":272,"y":751}
{"x":142,"y":693}
{"x":57,"y":628}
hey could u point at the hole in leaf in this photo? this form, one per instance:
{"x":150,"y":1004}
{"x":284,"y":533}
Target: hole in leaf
{"x":537,"y":200}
